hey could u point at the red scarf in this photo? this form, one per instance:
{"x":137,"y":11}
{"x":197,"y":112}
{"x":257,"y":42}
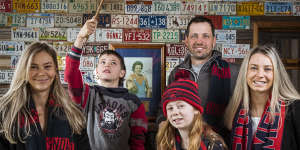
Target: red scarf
{"x":268,"y":135}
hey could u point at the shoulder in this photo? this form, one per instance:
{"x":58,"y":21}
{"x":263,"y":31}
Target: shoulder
{"x":213,"y":140}
{"x":294,"y":107}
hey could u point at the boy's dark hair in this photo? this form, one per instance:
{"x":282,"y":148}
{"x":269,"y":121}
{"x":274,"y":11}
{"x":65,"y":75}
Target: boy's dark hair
{"x":200,"y":19}
{"x":115,"y":53}
{"x":137,"y":63}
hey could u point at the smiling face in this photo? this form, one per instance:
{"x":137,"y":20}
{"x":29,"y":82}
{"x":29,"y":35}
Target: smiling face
{"x":42,"y":72}
{"x":138,"y":69}
{"x":200,"y":40}
{"x":180,"y":114}
{"x":260,"y":74}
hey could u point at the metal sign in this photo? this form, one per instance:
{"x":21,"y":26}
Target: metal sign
{"x":165,"y":35}
{"x":178,"y":21}
{"x":112,"y":7}
{"x":67,"y":20}
{"x":250,"y":8}
{"x":62,"y":77}
{"x":88,"y":77}
{"x":72,"y":35}
{"x":5,"y":5}
{"x":16,"y":20}
{"x":235,"y":50}
{"x":24,"y":34}
{"x":62,"y":48}
{"x":82,"y":7}
{"x":278,"y":8}
{"x":93,"y":48}
{"x":236,"y":22}
{"x":87,"y":63}
{"x":171,"y":63}
{"x":138,"y":8}
{"x":136,"y":35}
{"x":152,"y":21}
{"x":61,"y":60}
{"x":103,"y":20}
{"x":26,"y":6}
{"x":14,"y":61}
{"x":194,"y":8}
{"x":40,"y":20}
{"x":59,"y":34}
{"x":11,"y":47}
{"x":54,"y":7}
{"x":296,"y":9}
{"x":222,"y":8}
{"x":109,"y":35}
{"x":3,"y":20}
{"x":166,"y":7}
{"x":124,"y":21}
{"x":225,"y":36}
{"x":6,"y":76}
{"x":176,"y":50}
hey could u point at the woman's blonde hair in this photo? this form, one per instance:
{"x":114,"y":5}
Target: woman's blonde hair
{"x":14,"y":103}
{"x":282,"y":88}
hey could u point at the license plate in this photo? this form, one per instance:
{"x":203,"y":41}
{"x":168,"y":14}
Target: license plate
{"x":94,"y":48}
{"x":199,"y":8}
{"x":24,"y":34}
{"x":109,"y":35}
{"x":176,"y":50}
{"x":112,"y":7}
{"x":54,"y":7}
{"x":62,"y":77}
{"x":3,"y":19}
{"x":82,"y":7}
{"x":137,"y":35}
{"x":88,"y":77}
{"x":87,"y":63}
{"x":61,"y":60}
{"x":14,"y":61}
{"x":103,"y":20}
{"x":16,"y":20}
{"x":124,"y":21}
{"x":222,"y":8}
{"x":296,"y":9}
{"x":62,"y":48}
{"x":166,"y":7}
{"x":152,"y":21}
{"x":11,"y":47}
{"x":72,"y":35}
{"x":141,"y":8}
{"x":40,"y":20}
{"x":67,"y":20}
{"x":178,"y":21}
{"x":236,"y":22}
{"x":171,"y":63}
{"x":26,"y":6}
{"x":225,"y":36}
{"x":235,"y":50}
{"x":5,"y":5}
{"x":6,"y":76}
{"x":250,"y":8}
{"x":53,"y":34}
{"x":165,"y":35}
{"x":278,"y":8}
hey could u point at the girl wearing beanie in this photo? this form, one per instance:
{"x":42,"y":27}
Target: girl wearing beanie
{"x":184,"y":128}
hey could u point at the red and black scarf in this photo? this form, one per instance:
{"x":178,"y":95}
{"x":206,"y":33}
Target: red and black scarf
{"x":268,"y":135}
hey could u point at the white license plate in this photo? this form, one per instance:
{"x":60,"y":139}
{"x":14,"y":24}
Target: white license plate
{"x":6,"y":76}
{"x":94,"y":48}
{"x":11,"y":47}
{"x":226,"y":36}
{"x":138,"y":8}
{"x":165,"y":35}
{"x":178,"y":21}
{"x":59,"y":34}
{"x":199,"y":8}
{"x":109,"y":35}
{"x":68,"y":20}
{"x":166,"y":7}
{"x":235,"y":50}
{"x":40,"y":20}
{"x":24,"y":34}
{"x":3,"y":19}
{"x":82,"y":7}
{"x":112,"y":7}
{"x":62,"y":47}
{"x":87,"y":63}
{"x":222,"y":8}
{"x":72,"y":35}
{"x":124,"y":21}
{"x":16,"y":20}
{"x":54,"y":7}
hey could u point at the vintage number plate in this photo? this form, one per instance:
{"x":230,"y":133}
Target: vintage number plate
{"x":40,"y":20}
{"x":226,"y":36}
{"x":3,"y":20}
{"x":176,"y":50}
{"x":153,"y":22}
{"x":136,"y":35}
{"x":67,"y":20}
{"x":26,"y":6}
{"x":5,"y":5}
{"x":194,"y":8}
{"x":236,"y":22}
{"x":109,"y":35}
{"x":250,"y":8}
{"x":93,"y":48}
{"x":24,"y":34}
{"x":6,"y":76}
{"x":112,"y":7}
{"x":88,"y":77}
{"x":103,"y":20}
{"x":296,"y":9}
{"x":11,"y":47}
{"x":124,"y":21}
{"x":54,"y":7}
{"x":166,"y":7}
{"x":222,"y":8}
{"x":278,"y":8}
{"x":61,"y":59}
{"x":82,"y":7}
{"x":142,"y":8}
{"x":235,"y":50}
{"x":165,"y":35}
{"x":62,"y":77}
{"x":16,"y":20}
{"x":178,"y":21}
{"x":62,"y":48}
{"x":72,"y":35}
{"x":87,"y":63}
{"x":59,"y":34}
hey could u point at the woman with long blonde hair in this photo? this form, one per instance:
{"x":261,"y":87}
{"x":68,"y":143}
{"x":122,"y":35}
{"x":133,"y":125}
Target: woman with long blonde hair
{"x":264,"y":109}
{"x":184,"y":128}
{"x":36,"y":113}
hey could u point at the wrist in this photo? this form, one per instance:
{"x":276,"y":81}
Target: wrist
{"x":79,"y":42}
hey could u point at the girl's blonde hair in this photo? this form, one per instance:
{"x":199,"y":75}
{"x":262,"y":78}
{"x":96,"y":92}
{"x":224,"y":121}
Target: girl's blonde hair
{"x":14,"y":103}
{"x":282,"y":88}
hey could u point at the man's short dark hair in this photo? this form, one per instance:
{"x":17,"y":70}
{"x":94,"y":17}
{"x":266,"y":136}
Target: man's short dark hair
{"x":200,"y":19}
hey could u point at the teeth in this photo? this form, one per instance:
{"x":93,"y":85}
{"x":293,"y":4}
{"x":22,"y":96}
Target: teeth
{"x":259,"y":82}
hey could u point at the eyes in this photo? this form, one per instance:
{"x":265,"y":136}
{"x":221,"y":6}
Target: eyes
{"x":178,"y":106}
{"x":195,"y":36}
{"x":103,"y":62}
{"x":266,"y":69}
{"x":46,"y":67}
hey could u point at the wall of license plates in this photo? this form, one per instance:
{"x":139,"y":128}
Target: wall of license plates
{"x":126,"y":21}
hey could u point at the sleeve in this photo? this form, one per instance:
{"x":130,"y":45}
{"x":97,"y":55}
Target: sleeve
{"x":77,"y":90}
{"x":82,"y":141}
{"x":138,"y":127}
{"x":296,"y":122}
